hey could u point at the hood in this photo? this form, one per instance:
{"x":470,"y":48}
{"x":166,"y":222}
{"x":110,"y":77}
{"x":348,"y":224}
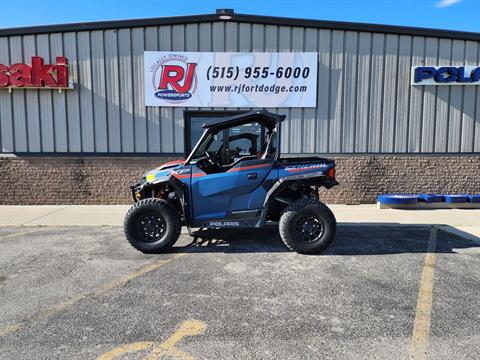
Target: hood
{"x":171,"y":164}
{"x":162,"y":170}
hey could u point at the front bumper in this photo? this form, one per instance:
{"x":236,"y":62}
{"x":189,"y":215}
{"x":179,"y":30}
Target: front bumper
{"x":136,"y":192}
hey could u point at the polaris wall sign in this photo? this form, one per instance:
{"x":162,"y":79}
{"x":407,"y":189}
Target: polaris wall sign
{"x":446,"y":75}
{"x":219,"y":79}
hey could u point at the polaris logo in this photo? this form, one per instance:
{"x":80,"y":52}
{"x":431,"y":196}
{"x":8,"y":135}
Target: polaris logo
{"x":446,"y":75}
{"x":224,"y":223}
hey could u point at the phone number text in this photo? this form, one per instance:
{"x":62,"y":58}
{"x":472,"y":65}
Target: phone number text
{"x":233,"y":72}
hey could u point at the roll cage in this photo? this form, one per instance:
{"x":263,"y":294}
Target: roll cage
{"x":270,"y":121}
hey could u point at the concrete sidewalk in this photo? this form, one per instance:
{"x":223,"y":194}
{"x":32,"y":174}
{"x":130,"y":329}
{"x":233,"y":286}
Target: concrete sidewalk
{"x":467,"y":221}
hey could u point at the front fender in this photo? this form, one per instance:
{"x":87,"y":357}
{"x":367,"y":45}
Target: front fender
{"x":143,"y":190}
{"x":159,"y":180}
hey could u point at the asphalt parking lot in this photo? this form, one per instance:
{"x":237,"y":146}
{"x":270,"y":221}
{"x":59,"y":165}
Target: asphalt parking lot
{"x":379,"y":292}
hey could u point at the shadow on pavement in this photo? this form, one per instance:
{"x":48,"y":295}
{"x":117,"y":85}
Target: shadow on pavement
{"x":351,"y":239}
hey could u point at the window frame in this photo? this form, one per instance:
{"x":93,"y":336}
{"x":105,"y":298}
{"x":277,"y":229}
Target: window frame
{"x":189,"y":114}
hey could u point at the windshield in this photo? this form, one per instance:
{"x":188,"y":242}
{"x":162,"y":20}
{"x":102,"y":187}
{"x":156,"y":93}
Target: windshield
{"x":232,"y":144}
{"x":211,"y":143}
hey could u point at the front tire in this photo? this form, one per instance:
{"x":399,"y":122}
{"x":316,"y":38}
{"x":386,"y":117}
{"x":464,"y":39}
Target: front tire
{"x":152,"y":226}
{"x":307,"y":226}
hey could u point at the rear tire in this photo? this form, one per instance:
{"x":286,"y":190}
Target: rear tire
{"x":307,"y":226}
{"x":152,"y":226}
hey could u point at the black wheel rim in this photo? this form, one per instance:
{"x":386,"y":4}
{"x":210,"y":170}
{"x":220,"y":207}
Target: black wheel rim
{"x":309,"y":228}
{"x":151,"y":227}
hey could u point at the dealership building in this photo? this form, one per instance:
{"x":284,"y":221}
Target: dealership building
{"x":86,"y":108}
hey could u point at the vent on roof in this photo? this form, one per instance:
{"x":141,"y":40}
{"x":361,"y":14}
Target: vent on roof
{"x":225,"y":14}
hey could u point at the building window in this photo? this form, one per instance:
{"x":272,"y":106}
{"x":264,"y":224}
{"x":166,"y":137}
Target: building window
{"x":193,"y":125}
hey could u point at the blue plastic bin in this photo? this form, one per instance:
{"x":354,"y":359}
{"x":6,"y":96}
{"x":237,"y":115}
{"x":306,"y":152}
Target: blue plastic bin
{"x":399,"y":199}
{"x":455,"y":199}
{"x":474,"y":198}
{"x":431,"y":198}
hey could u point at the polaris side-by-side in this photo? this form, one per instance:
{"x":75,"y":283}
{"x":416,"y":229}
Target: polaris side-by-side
{"x":235,"y":177}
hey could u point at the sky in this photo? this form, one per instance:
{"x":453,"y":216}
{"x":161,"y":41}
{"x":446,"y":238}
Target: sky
{"x":441,"y":14}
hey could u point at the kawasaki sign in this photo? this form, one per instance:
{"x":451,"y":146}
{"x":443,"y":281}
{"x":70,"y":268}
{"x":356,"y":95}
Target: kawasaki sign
{"x":36,"y":76}
{"x":446,"y":75}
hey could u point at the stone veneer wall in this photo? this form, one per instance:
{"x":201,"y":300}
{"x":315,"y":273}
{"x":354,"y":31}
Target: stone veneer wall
{"x":106,"y":180}
{"x":362,"y":178}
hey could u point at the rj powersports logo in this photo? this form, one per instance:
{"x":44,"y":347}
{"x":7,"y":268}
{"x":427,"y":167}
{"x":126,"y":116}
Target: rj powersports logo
{"x":174,"y":78}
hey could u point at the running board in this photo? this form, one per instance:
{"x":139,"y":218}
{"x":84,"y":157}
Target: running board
{"x":236,"y":219}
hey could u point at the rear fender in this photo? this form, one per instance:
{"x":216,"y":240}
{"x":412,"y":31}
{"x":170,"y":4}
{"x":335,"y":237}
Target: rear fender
{"x":310,"y":179}
{"x":317,"y":179}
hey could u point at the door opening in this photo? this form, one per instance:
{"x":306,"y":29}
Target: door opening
{"x":194,"y":121}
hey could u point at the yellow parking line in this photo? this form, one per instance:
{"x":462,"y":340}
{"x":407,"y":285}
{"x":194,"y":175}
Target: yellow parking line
{"x":6,"y":330}
{"x":125,"y":349}
{"x":421,"y":327}
{"x":9,"y":236}
{"x":9,"y":329}
{"x":186,"y":328}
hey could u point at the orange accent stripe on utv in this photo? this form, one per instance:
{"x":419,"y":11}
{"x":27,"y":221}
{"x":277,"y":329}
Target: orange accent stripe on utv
{"x":248,"y":167}
{"x":185,"y":176}
{"x":180,"y":176}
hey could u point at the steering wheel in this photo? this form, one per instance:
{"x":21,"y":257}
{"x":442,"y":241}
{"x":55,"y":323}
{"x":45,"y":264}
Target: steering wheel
{"x":211,"y":160}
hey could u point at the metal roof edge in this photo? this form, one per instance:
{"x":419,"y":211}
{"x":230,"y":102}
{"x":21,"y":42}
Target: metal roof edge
{"x":353,"y":26}
{"x":108,"y":25}
{"x":243,"y":18}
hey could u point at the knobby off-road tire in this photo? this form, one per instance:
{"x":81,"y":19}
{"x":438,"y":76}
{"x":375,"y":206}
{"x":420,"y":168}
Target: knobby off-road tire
{"x":307,"y":226}
{"x":152,"y":226}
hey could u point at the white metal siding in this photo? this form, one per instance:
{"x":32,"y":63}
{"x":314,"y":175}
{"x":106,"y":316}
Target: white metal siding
{"x":365,"y":102}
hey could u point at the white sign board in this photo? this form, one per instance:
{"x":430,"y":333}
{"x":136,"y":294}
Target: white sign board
{"x":217,"y":79}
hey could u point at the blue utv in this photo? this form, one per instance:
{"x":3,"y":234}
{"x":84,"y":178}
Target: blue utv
{"x":235,"y":177}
